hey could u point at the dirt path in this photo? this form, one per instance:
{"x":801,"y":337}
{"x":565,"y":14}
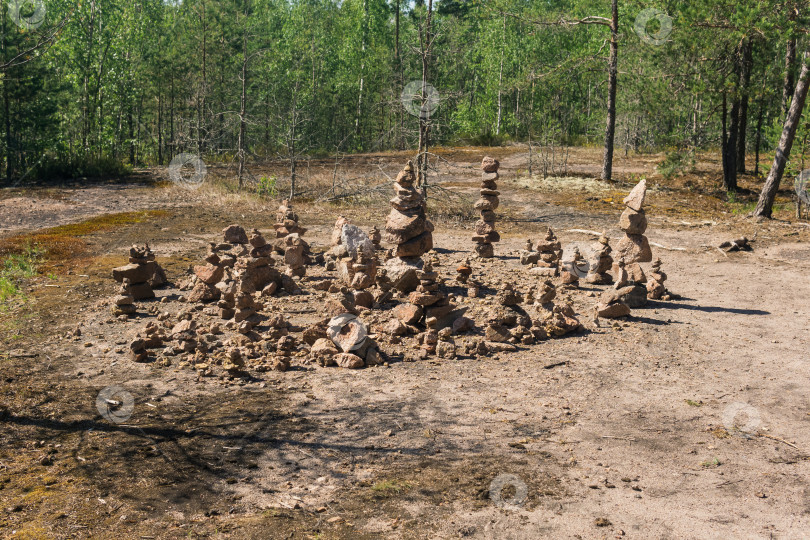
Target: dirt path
{"x":621,"y":430}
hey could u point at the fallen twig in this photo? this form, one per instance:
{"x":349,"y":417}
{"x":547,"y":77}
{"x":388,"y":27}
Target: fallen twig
{"x":667,"y":248}
{"x":549,"y":366}
{"x":619,"y":438}
{"x":584,"y":231}
{"x":778,"y":440}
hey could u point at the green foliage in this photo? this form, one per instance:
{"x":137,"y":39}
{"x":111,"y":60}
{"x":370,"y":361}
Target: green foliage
{"x":267,"y":187}
{"x":676,"y":163}
{"x":137,"y":83}
{"x":15,"y":268}
{"x":54,"y":167}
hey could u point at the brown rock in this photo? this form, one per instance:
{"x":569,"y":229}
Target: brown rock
{"x":323,"y":347}
{"x":633,"y":248}
{"x":423,"y":299}
{"x":401,"y":227}
{"x":349,"y":361}
{"x":485,"y":251}
{"x":612,"y":311}
{"x":202,"y":292}
{"x":402,"y":273}
{"x":497,"y":333}
{"x":408,"y":313}
{"x":235,"y":234}
{"x":634,"y":296}
{"x":462,"y":324}
{"x":141,"y":291}
{"x":490,"y":164}
{"x":446,"y":349}
{"x":635,"y":199}
{"x":209,"y":274}
{"x":635,"y":273}
{"x":136,"y":273}
{"x":395,"y":327}
{"x":415,"y":247}
{"x":484,"y":227}
{"x":490,"y":238}
{"x":633,"y":221}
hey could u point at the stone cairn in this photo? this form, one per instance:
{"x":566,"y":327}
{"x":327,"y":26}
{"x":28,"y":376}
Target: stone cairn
{"x":143,"y":273}
{"x":600,"y":263}
{"x":287,"y":224}
{"x":634,"y":248}
{"x":409,"y":229}
{"x":546,"y":255}
{"x":570,"y":274}
{"x":287,"y":221}
{"x":427,"y":305}
{"x":628,"y":290}
{"x":655,"y":286}
{"x":237,"y":265}
{"x":356,"y":256}
{"x":376,"y":237}
{"x":485,"y":233}
{"x":428,"y":295}
{"x":463,"y":272}
{"x":124,"y":303}
{"x":294,"y":255}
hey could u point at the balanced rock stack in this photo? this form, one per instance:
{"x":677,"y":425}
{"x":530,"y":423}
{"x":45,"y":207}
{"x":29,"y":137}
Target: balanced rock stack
{"x":294,"y":255}
{"x":409,"y":229}
{"x":287,"y":221}
{"x":124,"y":302}
{"x":655,"y":286}
{"x":428,"y":296}
{"x":550,"y":251}
{"x":407,"y":226}
{"x":600,"y":263}
{"x":573,"y":269}
{"x":355,"y":255}
{"x":634,"y":248}
{"x":238,"y":264}
{"x":485,"y":233}
{"x":287,"y":224}
{"x":143,"y":273}
{"x":375,"y":236}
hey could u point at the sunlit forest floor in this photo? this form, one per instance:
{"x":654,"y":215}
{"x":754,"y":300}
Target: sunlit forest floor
{"x":621,"y":430}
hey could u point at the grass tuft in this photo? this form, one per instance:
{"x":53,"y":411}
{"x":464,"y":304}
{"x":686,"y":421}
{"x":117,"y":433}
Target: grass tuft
{"x":15,"y":268}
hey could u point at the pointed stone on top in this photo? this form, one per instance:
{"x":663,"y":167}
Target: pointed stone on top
{"x":635,"y":199}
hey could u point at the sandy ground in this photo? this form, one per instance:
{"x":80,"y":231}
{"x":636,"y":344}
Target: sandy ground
{"x":690,"y":419}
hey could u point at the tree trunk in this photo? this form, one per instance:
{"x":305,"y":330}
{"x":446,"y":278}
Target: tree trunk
{"x":724,"y":135}
{"x":242,"y":112}
{"x":745,"y":80}
{"x":730,"y":172}
{"x":759,"y":137}
{"x":790,"y":63}
{"x":424,"y":119}
{"x":500,"y":81}
{"x":610,"y":129}
{"x":766,"y":198}
{"x":364,"y":36}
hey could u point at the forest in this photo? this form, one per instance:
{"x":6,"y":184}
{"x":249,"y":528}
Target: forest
{"x":93,"y":88}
